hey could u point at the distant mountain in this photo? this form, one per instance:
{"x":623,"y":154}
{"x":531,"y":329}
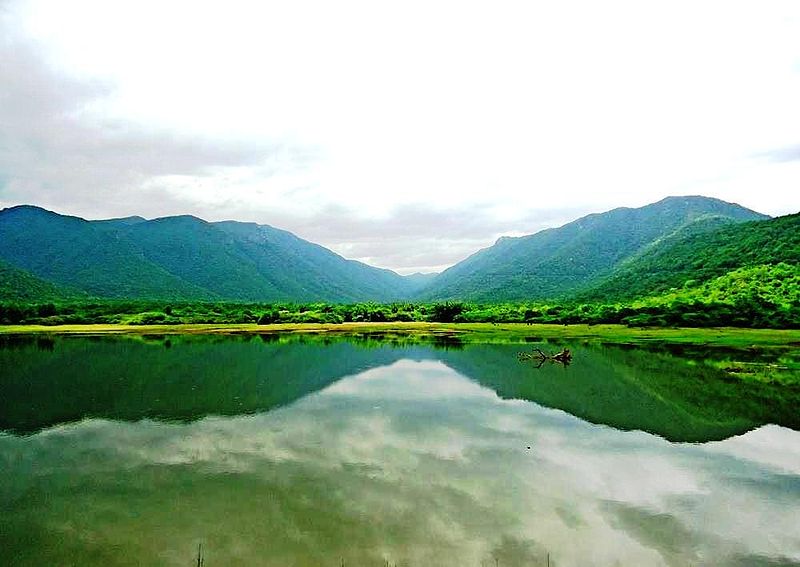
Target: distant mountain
{"x":420,"y":281}
{"x":734,"y":257}
{"x":187,"y":258}
{"x":557,"y":263}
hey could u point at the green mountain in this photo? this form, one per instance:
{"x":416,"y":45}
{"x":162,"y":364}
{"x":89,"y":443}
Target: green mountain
{"x":307,"y":271}
{"x":73,"y":252}
{"x":678,"y":242}
{"x":19,"y":285}
{"x":199,"y":253}
{"x":559,"y":262}
{"x":690,"y":259}
{"x":185,"y":258}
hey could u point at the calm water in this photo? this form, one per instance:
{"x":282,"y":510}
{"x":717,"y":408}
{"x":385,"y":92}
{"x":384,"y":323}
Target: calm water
{"x":123,"y":451}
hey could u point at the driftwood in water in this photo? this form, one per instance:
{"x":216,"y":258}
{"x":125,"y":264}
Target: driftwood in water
{"x":564,"y":357}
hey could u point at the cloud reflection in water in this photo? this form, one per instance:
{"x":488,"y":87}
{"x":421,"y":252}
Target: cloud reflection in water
{"x":410,"y":463}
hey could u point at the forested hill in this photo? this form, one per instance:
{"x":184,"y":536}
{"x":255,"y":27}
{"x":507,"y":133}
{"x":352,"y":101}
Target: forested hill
{"x":180,"y":258}
{"x":679,"y":242}
{"x":557,"y":263}
{"x":692,"y":259}
{"x":20,"y":286}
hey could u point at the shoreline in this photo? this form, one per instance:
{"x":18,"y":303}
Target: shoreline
{"x":469,"y":332}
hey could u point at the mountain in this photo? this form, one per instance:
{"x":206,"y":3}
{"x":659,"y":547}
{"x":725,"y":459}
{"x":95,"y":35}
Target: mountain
{"x":19,"y":285}
{"x":726,"y":261}
{"x":559,"y":262}
{"x":119,"y":222}
{"x":94,"y":258}
{"x":623,"y":253}
{"x":186,"y":258}
{"x":420,"y":281}
{"x":201,"y":254}
{"x":307,"y":271}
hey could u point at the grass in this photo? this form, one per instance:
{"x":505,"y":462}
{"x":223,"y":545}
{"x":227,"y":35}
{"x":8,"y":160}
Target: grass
{"x":467,"y":332}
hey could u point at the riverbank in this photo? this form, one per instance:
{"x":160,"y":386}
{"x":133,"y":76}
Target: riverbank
{"x":466,"y":332}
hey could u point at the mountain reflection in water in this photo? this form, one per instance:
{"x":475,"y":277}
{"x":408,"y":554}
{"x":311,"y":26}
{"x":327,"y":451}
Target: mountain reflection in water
{"x":307,"y":453}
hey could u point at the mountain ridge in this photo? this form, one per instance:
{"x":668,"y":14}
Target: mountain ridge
{"x":185,"y":257}
{"x":557,"y":262}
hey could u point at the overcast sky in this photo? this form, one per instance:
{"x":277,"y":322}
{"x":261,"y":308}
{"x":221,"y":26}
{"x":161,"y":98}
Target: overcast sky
{"x":404,"y":134}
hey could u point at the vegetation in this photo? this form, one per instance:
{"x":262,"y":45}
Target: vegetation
{"x":184,"y":258}
{"x":557,"y":263}
{"x":687,"y":262}
{"x":757,"y":297}
{"x":697,"y":258}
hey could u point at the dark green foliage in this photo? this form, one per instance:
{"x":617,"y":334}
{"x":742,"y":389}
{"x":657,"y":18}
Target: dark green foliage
{"x":556,"y":263}
{"x":762,"y":297}
{"x":269,"y":317}
{"x":446,"y":312}
{"x":697,"y":258}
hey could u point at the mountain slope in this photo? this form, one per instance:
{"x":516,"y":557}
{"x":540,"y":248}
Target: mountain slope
{"x":19,"y":285}
{"x":199,"y":253}
{"x":186,"y":258}
{"x":305,"y":271}
{"x":70,"y":251}
{"x":624,"y":251}
{"x":557,"y":263}
{"x":693,"y":258}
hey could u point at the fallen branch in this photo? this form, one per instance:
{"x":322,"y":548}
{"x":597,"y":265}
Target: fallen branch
{"x":564,"y":357}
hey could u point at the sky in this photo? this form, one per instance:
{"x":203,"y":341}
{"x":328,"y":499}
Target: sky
{"x":403,"y":134}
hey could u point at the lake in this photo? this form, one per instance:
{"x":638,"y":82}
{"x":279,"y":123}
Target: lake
{"x":292,"y":451}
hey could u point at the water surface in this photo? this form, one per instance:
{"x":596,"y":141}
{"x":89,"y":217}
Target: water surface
{"x":121,"y":451}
